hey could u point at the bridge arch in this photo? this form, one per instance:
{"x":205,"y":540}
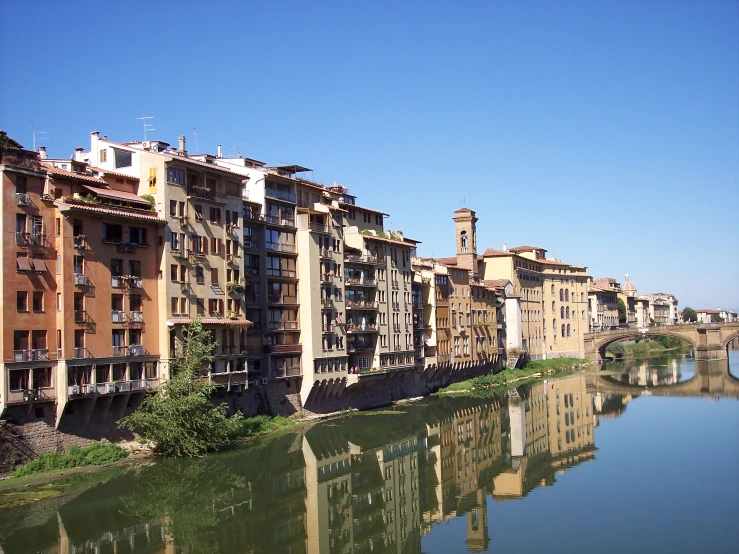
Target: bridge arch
{"x":625,"y":334}
{"x":727,"y":342}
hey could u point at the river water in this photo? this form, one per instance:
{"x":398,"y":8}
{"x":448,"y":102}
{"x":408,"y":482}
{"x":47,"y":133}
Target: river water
{"x":644,"y":461}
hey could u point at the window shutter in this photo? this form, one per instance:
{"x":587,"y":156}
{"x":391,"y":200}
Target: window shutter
{"x":152,"y":179}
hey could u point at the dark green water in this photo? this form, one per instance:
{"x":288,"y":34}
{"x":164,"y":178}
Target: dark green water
{"x":642,"y":462}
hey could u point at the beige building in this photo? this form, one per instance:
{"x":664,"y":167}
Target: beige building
{"x":663,"y":308}
{"x":603,"y":298}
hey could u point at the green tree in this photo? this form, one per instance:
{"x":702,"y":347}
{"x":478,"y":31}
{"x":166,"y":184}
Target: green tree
{"x":179,"y":418}
{"x":689,"y":315}
{"x":617,"y":349}
{"x":621,"y":311}
{"x":716,"y":318}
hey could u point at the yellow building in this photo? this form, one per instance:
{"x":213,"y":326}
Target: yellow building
{"x":603,"y":298}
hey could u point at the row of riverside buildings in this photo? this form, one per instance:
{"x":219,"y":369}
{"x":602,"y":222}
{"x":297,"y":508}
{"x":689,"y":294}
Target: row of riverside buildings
{"x":108,"y":254}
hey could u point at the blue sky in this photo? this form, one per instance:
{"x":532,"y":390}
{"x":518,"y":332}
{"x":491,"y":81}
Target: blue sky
{"x":606,"y":132}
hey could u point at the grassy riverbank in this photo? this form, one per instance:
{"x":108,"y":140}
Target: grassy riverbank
{"x":532,"y":371}
{"x":93,"y":455}
{"x":648,"y":349}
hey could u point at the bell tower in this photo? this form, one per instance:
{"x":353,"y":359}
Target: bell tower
{"x":465,"y":224}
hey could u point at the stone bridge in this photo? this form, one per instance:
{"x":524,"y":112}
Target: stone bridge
{"x":710,"y":341}
{"x":712,"y":379}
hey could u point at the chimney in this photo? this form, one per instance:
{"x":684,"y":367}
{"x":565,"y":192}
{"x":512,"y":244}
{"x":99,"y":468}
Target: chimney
{"x":78,"y":153}
{"x":220,"y":151}
{"x":505,"y":247}
{"x":42,"y":152}
{"x":181,"y":150}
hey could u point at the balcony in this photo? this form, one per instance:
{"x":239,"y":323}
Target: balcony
{"x":327,"y":303}
{"x":110,"y":388}
{"x":328,"y":328}
{"x":359,"y":346}
{"x":231,"y":228}
{"x":136,"y":317}
{"x":285,"y":372}
{"x":32,"y":395}
{"x":319,"y":228}
{"x":80,"y":316}
{"x":81,"y":352}
{"x":282,"y":326}
{"x":280,"y":195}
{"x":80,"y":280}
{"x":22,"y":199}
{"x":325,"y":253}
{"x":282,"y":299}
{"x":354,"y":327}
{"x":361,"y":305}
{"x":278,"y":247}
{"x":228,"y":379}
{"x":126,"y":247}
{"x":325,"y":278}
{"x":132,"y":350}
{"x":358,"y":259}
{"x":32,"y":355}
{"x":282,"y":273}
{"x":118,"y":317}
{"x":359,"y":282}
{"x":442,"y":301}
{"x":282,"y":348}
{"x":280,"y":221}
{"x":79,"y":242}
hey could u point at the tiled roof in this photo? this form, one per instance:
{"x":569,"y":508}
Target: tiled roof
{"x":404,"y":242}
{"x":447,"y":261}
{"x":51,"y":170}
{"x":525,"y":248}
{"x":363,"y":208}
{"x":118,"y":195}
{"x":496,"y":282}
{"x":111,"y":210}
{"x":114,"y":173}
{"x":491,"y":252}
{"x":210,"y":321}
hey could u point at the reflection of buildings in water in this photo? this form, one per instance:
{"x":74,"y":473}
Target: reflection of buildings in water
{"x":610,"y":406}
{"x":349,"y":489}
{"x":648,"y":374}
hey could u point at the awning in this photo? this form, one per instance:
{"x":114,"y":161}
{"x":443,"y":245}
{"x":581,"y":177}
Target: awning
{"x":429,"y":341}
{"x":23,"y":263}
{"x":118,"y":195}
{"x":38,"y":264}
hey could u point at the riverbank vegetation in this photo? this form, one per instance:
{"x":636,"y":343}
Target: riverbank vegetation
{"x":95,"y":454}
{"x":646,"y":348}
{"x":533,"y":369}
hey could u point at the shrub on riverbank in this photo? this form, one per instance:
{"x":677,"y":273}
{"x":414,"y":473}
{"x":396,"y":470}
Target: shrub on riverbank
{"x":552,"y":365}
{"x":95,"y":454}
{"x":261,"y":424}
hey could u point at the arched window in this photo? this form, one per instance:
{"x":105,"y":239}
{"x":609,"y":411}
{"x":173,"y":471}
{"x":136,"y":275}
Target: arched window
{"x":463,"y":240}
{"x":563,"y":330}
{"x":554,"y":308}
{"x":552,"y":289}
{"x":567,"y":312}
{"x":567,"y":295}
{"x":561,"y":312}
{"x":568,"y":329}
{"x":582,"y":297}
{"x":561,"y":295}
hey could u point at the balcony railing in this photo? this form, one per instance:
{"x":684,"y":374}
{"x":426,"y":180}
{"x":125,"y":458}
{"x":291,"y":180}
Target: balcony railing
{"x":80,"y":352}
{"x":359,"y":282}
{"x":283,"y":372}
{"x":278,"y":247}
{"x":282,"y":299}
{"x":359,"y":346}
{"x":280,"y":195}
{"x":118,"y":316}
{"x":22,"y":199}
{"x":225,"y":379}
{"x":31,"y":395}
{"x":282,"y":348}
{"x":284,"y":273}
{"x":126,"y":247}
{"x":282,"y":325}
{"x":327,"y":303}
{"x":131,"y":350}
{"x":355,"y":327}
{"x":325,"y":253}
{"x":80,"y":279}
{"x":361,"y":305}
{"x":31,"y":355}
{"x":277,"y":220}
{"x":319,"y":228}
{"x":80,"y":316}
{"x":136,"y":317}
{"x":328,"y":328}
{"x":357,"y":258}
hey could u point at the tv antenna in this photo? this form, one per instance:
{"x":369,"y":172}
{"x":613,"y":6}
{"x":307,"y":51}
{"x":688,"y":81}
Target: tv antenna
{"x":147,"y":126}
{"x":36,"y":137}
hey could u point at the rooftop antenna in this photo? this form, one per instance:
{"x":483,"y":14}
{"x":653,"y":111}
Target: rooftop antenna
{"x":464,"y":201}
{"x":194,"y":132}
{"x":147,"y":126}
{"x":36,"y":137}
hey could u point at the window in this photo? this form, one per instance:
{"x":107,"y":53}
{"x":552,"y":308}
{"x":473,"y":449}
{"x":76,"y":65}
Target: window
{"x":176,"y":176}
{"x":112,"y":232}
{"x":122,"y":158}
{"x":199,"y":275}
{"x":215,"y":215}
{"x":173,"y":208}
{"x":134,"y":268}
{"x":38,"y":301}
{"x":22,"y":301}
{"x":137,"y":235}
{"x":214,"y":276}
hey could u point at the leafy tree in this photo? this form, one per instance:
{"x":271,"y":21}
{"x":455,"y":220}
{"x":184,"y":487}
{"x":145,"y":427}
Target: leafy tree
{"x":689,"y":315}
{"x":716,"y":318}
{"x":621,"y":311}
{"x":617,"y":349}
{"x":180,"y":418}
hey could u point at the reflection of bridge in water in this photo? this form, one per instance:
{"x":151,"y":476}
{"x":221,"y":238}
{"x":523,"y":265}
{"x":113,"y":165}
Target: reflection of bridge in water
{"x":711,"y":379}
{"x":710,"y":342}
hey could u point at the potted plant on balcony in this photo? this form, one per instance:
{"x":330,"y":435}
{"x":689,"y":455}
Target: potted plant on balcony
{"x":236,"y":286}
